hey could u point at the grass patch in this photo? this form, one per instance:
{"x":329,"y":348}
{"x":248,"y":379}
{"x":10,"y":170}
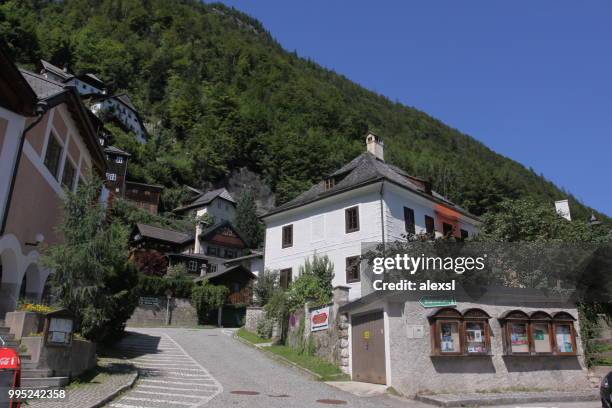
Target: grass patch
{"x":602,"y":347}
{"x":607,"y":361}
{"x":251,"y":337}
{"x":328,"y":371}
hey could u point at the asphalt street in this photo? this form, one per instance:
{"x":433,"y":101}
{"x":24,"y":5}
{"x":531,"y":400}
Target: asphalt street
{"x":208,"y":367}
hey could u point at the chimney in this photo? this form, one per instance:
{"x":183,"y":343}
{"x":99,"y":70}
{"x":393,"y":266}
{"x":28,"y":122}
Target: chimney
{"x":375,"y":145}
{"x":563,"y":209}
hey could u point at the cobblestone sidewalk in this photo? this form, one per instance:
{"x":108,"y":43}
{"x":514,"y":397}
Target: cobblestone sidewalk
{"x":113,"y":376}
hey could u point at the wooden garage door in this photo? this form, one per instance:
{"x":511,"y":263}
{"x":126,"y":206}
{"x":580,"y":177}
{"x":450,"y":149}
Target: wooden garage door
{"x":368,"y":350}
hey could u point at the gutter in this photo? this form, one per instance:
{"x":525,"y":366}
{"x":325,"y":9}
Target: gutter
{"x":41,"y":109}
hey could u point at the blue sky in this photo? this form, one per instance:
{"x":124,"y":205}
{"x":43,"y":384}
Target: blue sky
{"x":530,"y":79}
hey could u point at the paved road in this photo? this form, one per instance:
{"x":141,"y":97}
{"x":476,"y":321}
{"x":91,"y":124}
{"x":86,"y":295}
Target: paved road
{"x":169,"y":376}
{"x":182,"y":365}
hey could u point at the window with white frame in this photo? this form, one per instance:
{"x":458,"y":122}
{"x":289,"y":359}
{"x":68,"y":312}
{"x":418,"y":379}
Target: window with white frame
{"x":119,"y":159}
{"x":111,"y":176}
{"x":192,"y":266}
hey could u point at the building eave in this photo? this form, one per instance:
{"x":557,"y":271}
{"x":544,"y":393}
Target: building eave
{"x":366,"y":183}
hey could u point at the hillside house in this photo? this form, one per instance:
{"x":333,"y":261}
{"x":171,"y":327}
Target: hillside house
{"x":59,"y":151}
{"x":366,"y":201}
{"x":120,"y":107}
{"x":217,"y":206}
{"x":93,"y":88}
{"x":116,"y":172}
{"x":145,"y":196}
{"x":85,"y":84}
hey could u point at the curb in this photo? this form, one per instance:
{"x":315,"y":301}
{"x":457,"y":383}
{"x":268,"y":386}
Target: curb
{"x":113,"y":395}
{"x":509,"y":399}
{"x":278,"y":358}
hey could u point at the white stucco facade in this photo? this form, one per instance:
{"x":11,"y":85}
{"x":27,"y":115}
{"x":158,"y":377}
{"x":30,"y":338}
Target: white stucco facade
{"x":219,"y":210}
{"x":319,"y":227}
{"x":123,"y":113}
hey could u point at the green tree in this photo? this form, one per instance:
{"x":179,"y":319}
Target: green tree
{"x":536,"y":221}
{"x":247,"y":222}
{"x":265,"y":286}
{"x":207,"y":298}
{"x":92,"y":276}
{"x":322,"y":269}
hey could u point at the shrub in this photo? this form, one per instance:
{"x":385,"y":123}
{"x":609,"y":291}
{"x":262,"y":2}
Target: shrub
{"x":207,"y":297}
{"x":36,"y":308}
{"x":151,"y":263}
{"x":321,"y":268}
{"x":157,"y":286}
{"x":178,"y":270}
{"x":265,"y":286}
{"x":265,"y":326}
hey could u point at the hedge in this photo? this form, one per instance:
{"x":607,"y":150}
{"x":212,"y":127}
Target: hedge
{"x":157,"y":286}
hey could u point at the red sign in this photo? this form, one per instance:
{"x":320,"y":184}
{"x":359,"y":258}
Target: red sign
{"x":9,"y":359}
{"x":319,"y":319}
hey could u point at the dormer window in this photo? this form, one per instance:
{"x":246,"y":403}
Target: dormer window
{"x":329,"y":183}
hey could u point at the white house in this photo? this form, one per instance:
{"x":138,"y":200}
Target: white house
{"x":121,"y":107}
{"x":92,"y":87}
{"x":85,"y":84}
{"x":366,"y":201}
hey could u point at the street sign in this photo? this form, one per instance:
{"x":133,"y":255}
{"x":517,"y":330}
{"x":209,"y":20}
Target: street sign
{"x":437,"y":301}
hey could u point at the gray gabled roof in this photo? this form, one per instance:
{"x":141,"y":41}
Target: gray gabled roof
{"x":210,"y":230}
{"x":43,"y":87}
{"x":363,"y":170}
{"x":125,"y":99}
{"x":206,"y":198}
{"x":229,"y":270}
{"x":163,"y":234}
{"x":47,"y":66}
{"x":116,"y":150}
{"x":252,"y":255}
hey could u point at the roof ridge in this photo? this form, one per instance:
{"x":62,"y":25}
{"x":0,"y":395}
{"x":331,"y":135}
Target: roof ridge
{"x":60,"y":84}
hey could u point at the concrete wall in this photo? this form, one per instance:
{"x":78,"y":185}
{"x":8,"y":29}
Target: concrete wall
{"x":64,"y":361}
{"x":182,"y":313}
{"x":24,"y":324}
{"x":411,"y":369}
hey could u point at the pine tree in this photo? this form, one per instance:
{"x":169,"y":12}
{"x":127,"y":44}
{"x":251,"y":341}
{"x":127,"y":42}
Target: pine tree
{"x":92,"y":275}
{"x":247,"y":223}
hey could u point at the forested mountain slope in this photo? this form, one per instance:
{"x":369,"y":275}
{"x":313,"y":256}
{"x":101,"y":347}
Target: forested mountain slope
{"x":219,"y":93}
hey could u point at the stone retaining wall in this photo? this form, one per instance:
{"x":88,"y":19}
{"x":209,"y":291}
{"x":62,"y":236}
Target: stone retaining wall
{"x":253,"y":315}
{"x":151,"y":311}
{"x":330,"y":344}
